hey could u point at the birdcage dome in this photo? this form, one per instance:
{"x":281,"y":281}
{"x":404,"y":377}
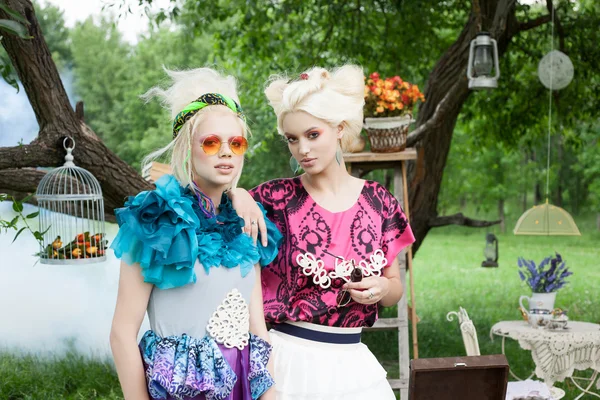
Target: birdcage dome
{"x":71,"y":215}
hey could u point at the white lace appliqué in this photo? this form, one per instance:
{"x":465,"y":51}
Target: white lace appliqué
{"x":311,"y":266}
{"x":230,"y":324}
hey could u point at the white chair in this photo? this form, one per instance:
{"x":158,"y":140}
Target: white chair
{"x":515,"y":390}
{"x":467,"y":329}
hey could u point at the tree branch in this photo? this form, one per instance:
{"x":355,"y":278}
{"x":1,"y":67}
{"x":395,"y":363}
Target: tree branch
{"x":533,"y":23}
{"x":20,"y":180}
{"x":438,"y":115}
{"x":36,"y":154}
{"x":460,"y":219}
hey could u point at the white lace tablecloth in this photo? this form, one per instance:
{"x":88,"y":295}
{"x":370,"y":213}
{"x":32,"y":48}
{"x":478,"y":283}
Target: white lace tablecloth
{"x":556,"y":353}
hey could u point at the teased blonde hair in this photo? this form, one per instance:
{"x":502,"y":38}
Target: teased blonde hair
{"x":187,"y":86}
{"x":336,"y":97}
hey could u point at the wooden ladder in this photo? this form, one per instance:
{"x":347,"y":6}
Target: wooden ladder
{"x":359,"y":163}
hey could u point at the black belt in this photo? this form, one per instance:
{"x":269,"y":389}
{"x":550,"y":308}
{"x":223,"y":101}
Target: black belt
{"x":318,"y":336}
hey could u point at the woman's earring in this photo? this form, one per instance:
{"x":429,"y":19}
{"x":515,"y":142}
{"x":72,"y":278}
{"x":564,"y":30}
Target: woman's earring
{"x":294,"y":165}
{"x":338,"y":155}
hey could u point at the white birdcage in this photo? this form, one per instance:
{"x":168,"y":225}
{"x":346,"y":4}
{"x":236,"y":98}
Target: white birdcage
{"x":71,"y":215}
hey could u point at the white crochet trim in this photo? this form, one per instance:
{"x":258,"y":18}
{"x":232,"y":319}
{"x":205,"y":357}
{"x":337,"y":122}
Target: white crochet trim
{"x":342,"y":269}
{"x":230,"y":324}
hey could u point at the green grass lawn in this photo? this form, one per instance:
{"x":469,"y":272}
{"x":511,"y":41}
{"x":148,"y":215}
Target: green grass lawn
{"x":447,"y":275}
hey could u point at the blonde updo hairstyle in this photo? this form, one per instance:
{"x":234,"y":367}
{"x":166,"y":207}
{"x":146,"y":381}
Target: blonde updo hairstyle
{"x":336,"y":97}
{"x":187,"y":86}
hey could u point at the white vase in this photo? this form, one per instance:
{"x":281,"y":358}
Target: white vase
{"x":539,"y":301}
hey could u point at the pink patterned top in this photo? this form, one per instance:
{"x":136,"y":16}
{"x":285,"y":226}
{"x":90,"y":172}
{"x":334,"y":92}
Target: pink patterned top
{"x":302,"y":283}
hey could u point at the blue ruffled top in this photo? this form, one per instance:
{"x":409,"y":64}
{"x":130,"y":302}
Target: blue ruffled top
{"x":165,"y":231}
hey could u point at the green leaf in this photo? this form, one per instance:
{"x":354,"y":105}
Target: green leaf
{"x":26,"y":199}
{"x":47,"y":229}
{"x":33,"y":215}
{"x":17,"y":206}
{"x":14,"y":14}
{"x":14,"y":221}
{"x":15,"y":28}
{"x":38,"y":235}
{"x":6,"y":72}
{"x":18,"y":233}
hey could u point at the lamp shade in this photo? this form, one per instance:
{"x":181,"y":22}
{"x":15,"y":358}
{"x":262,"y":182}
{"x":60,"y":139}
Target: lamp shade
{"x":547,"y":220}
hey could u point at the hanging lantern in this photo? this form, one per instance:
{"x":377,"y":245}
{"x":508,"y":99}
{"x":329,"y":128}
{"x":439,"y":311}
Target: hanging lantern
{"x":546,"y":220}
{"x":555,"y":70}
{"x":491,"y":251}
{"x":71,"y":215}
{"x":483,"y":59}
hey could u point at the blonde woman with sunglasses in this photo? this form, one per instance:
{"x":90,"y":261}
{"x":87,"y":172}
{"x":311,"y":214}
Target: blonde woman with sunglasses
{"x":187,"y":262}
{"x":342,"y":236}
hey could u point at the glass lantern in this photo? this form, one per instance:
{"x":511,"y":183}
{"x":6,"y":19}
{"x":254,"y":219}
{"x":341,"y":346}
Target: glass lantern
{"x":491,"y":251}
{"x":483,"y":61}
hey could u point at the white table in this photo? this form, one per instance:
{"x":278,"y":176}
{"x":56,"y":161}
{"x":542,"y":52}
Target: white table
{"x":557,"y":353}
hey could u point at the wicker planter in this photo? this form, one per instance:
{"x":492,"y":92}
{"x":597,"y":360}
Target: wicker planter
{"x":388,"y":134}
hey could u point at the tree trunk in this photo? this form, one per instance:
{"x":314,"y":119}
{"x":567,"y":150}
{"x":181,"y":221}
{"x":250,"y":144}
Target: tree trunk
{"x":38,"y":74}
{"x":449,"y":78}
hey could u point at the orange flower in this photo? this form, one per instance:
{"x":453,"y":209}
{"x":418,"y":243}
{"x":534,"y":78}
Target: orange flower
{"x":391,"y":96}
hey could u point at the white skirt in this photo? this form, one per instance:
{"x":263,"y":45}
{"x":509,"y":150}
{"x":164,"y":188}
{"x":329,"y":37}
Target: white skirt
{"x":311,"y":370}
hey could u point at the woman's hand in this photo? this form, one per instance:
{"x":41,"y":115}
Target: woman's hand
{"x":268,"y":395}
{"x":386,"y":289}
{"x":248,"y":210}
{"x":370,"y":290}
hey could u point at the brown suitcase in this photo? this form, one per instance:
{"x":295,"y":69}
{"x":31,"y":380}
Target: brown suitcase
{"x":459,"y":378}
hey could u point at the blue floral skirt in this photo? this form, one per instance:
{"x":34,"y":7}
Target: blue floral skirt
{"x":186,"y":368}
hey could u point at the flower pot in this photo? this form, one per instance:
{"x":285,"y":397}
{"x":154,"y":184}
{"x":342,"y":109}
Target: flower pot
{"x":539,"y":301}
{"x":388,"y":134}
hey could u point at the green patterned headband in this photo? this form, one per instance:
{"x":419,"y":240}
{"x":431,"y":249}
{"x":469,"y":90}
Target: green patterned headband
{"x":207,"y":99}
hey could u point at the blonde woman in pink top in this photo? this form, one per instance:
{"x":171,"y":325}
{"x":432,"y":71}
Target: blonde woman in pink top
{"x":342,"y":236}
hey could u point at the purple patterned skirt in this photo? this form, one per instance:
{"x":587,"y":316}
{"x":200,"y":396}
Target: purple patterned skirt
{"x":186,"y":368}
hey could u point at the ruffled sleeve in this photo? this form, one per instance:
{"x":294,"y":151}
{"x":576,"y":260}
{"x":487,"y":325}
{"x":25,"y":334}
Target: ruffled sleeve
{"x":157,"y":230}
{"x":267,"y":254}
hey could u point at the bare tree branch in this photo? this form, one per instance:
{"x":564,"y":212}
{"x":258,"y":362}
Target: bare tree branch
{"x":533,"y":23}
{"x":36,"y":154}
{"x":20,"y":180}
{"x":438,"y":116}
{"x":460,"y":219}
